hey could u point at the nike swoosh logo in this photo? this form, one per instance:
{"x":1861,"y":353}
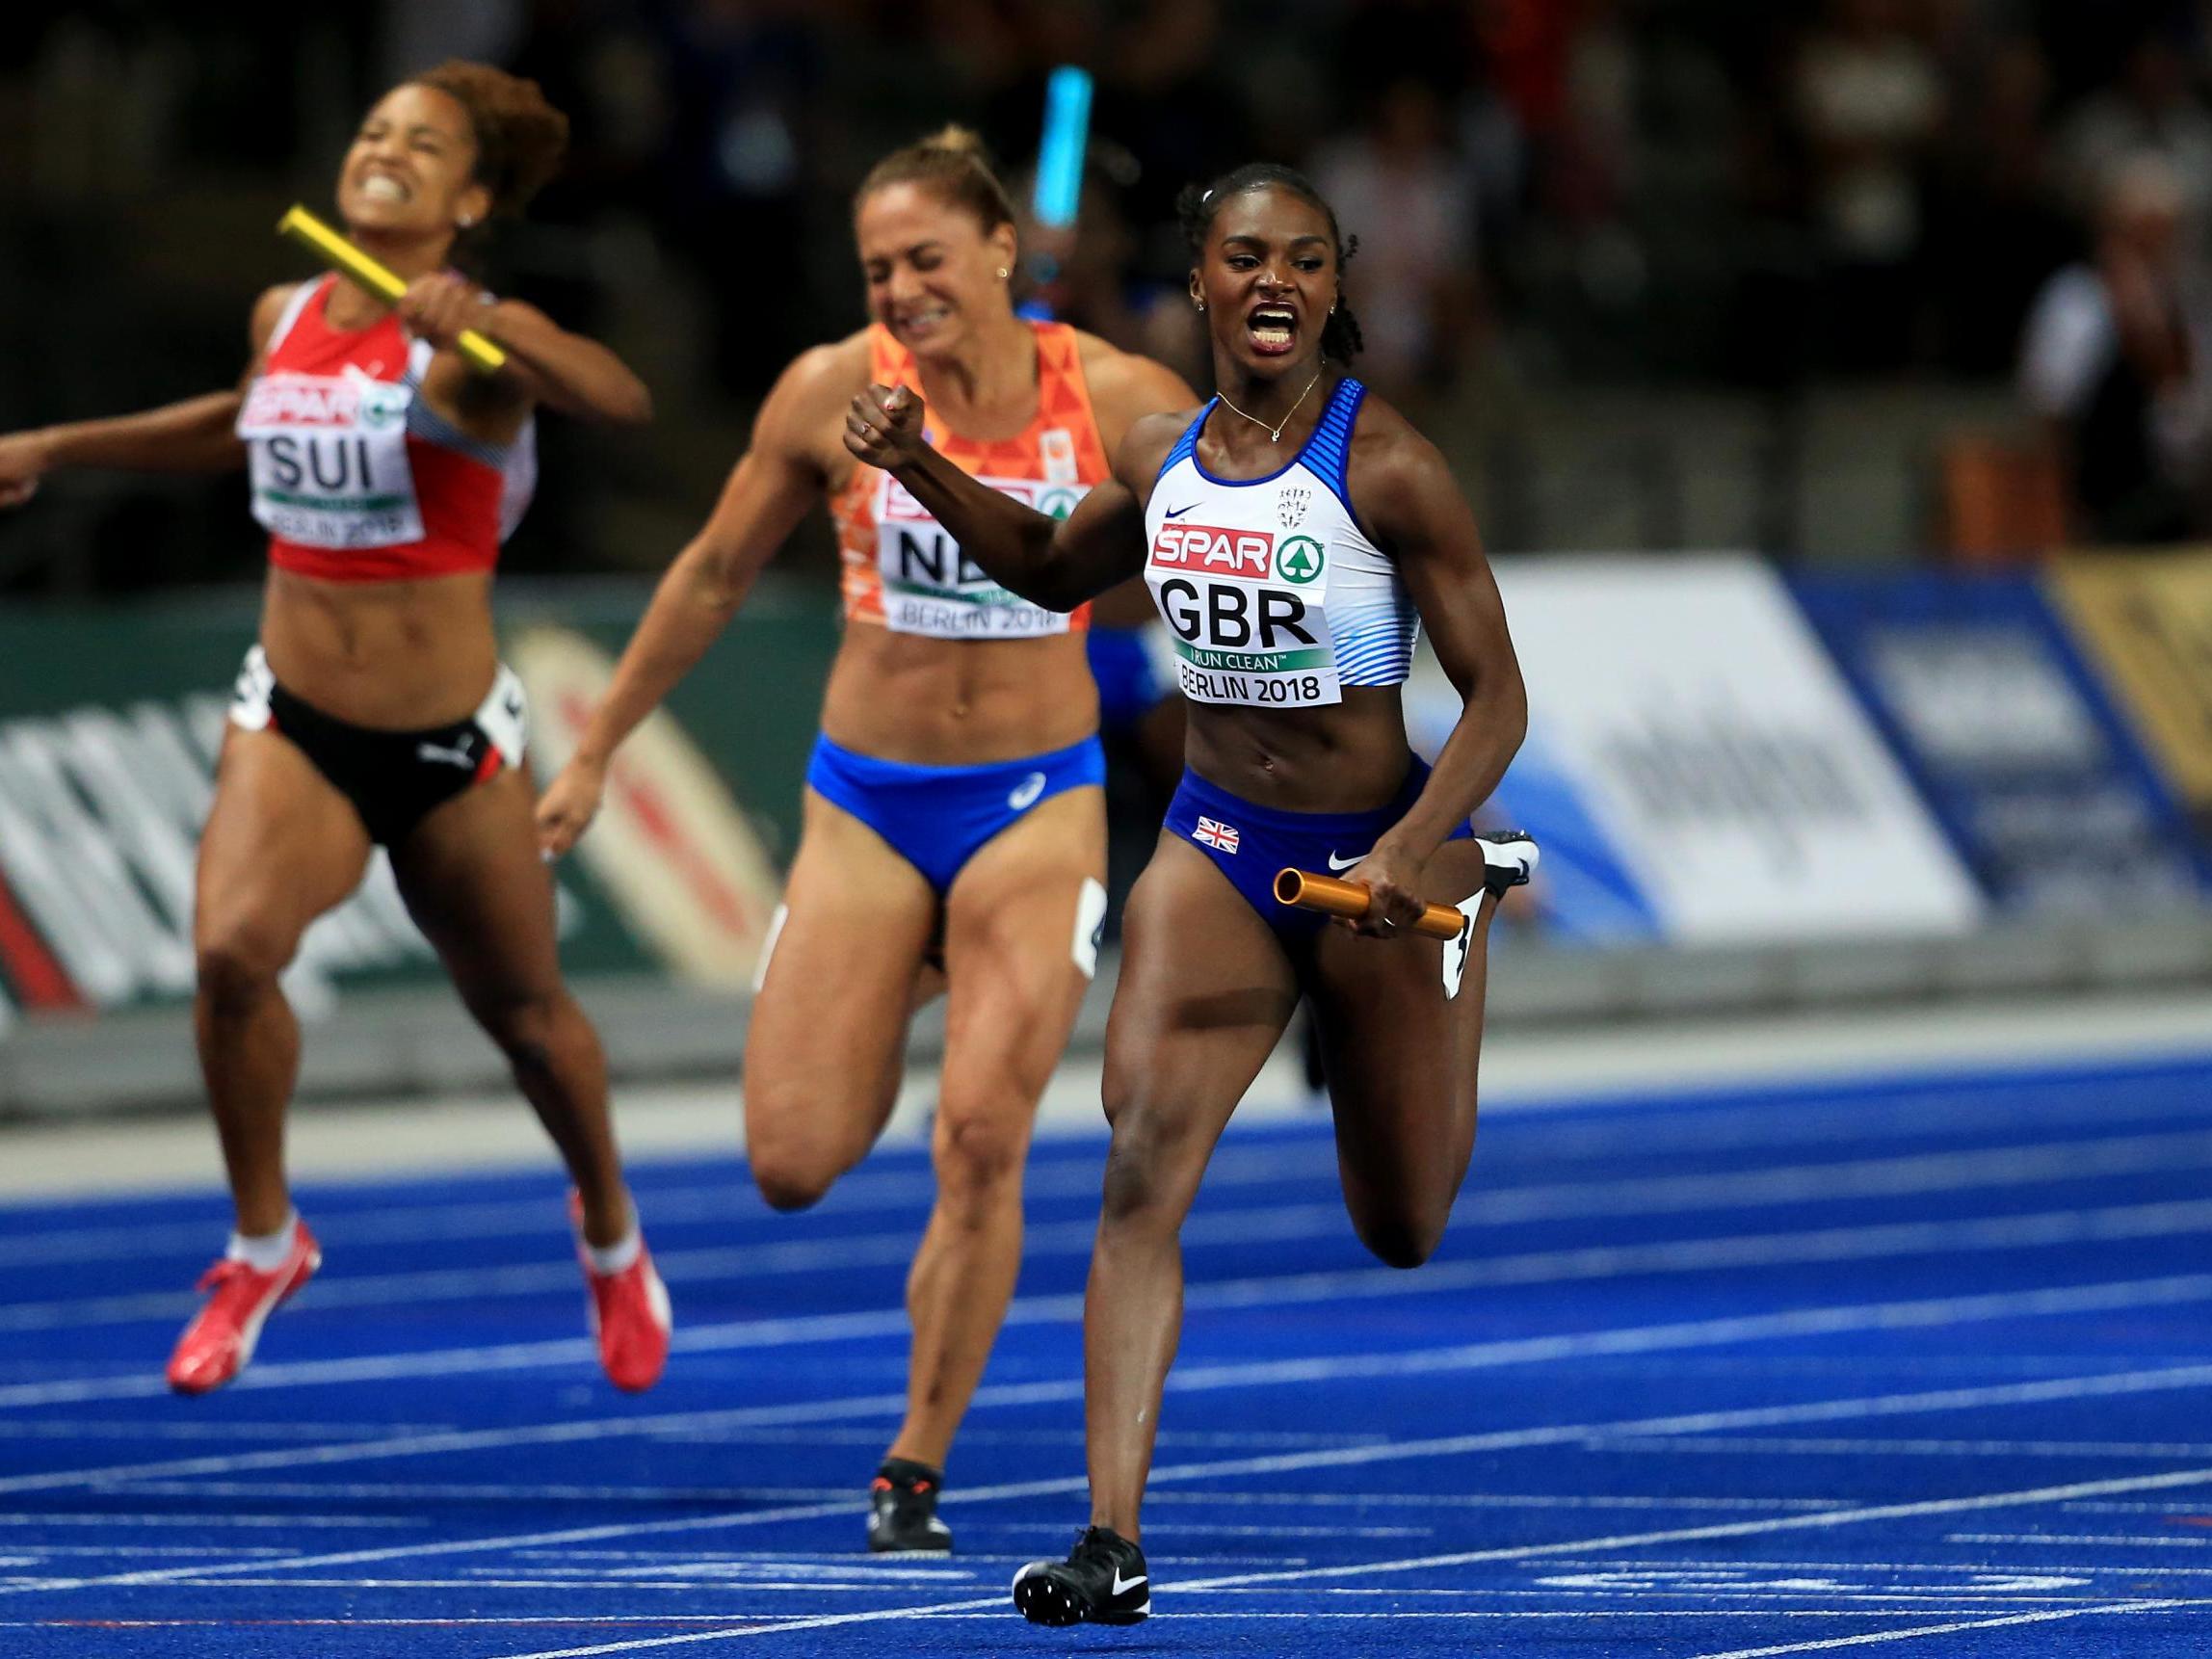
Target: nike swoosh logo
{"x":1122,"y":1584}
{"x":1177,"y":513}
{"x":1336,"y":863}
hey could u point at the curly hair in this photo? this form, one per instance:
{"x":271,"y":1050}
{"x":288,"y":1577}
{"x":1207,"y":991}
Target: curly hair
{"x":1198,"y":205}
{"x":520,"y":138}
{"x":952,"y":162}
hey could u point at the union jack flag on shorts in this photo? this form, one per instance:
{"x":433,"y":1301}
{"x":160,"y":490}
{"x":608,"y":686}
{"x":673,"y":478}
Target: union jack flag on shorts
{"x":1215,"y":834}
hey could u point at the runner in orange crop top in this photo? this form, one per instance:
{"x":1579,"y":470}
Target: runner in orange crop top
{"x":373,"y":709}
{"x":953,"y":808}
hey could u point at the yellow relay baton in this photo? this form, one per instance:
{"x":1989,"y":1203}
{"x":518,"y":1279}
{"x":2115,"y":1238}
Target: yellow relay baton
{"x":380,"y":280}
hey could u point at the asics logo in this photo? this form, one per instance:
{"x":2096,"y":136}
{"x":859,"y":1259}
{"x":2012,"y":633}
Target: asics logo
{"x":456,"y":756}
{"x":1336,"y":863}
{"x":1123,"y":1585}
{"x":1177,"y":513}
{"x":1025,"y":793}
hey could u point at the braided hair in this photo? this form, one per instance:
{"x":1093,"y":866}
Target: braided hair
{"x":1198,"y":205}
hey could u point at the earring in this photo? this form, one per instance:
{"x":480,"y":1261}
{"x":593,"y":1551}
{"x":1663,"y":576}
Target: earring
{"x":467,"y":221}
{"x":1004,"y":272}
{"x":1201,"y":305}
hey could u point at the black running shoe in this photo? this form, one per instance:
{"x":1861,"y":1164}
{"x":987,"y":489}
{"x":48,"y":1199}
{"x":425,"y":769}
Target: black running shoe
{"x":1509,"y":859}
{"x":904,"y":1509}
{"x":1101,"y":1582}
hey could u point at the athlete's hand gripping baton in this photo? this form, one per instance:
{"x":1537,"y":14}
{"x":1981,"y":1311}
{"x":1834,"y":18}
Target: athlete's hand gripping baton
{"x":379,"y":279}
{"x":1351,"y":900}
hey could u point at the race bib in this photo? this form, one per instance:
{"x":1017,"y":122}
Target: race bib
{"x":931,"y":588}
{"x":1247,"y":613}
{"x":328,"y":460}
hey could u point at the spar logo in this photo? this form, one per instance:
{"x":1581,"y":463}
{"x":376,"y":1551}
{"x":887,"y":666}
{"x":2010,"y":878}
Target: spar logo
{"x":1300,"y":560}
{"x":1208,"y":549}
{"x":896,"y":505}
{"x":323,"y":401}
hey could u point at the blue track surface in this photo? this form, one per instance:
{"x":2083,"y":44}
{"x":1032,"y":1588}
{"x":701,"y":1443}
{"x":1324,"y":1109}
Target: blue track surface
{"x":1924,"y":1366}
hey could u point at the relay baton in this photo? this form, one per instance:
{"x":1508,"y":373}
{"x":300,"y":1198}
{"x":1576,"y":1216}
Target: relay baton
{"x":1060,"y":152}
{"x":1306,"y":892}
{"x":341,"y":256}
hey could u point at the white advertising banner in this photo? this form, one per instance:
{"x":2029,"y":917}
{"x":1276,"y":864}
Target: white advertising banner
{"x":1715,"y":747}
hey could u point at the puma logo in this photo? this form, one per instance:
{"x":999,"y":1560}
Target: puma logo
{"x":457,"y":755}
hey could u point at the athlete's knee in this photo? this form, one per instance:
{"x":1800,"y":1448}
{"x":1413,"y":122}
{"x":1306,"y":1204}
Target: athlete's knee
{"x":789,"y":1183}
{"x":1400,"y":1235}
{"x":1146,"y":1165}
{"x":793,"y":1164}
{"x":979,"y":1147}
{"x":526,"y":1025}
{"x":235,"y":962}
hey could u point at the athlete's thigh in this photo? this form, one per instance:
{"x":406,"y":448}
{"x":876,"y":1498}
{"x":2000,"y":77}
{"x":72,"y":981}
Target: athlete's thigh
{"x":1400,"y":1056}
{"x":1020,"y":940}
{"x":280,"y":847}
{"x":475,"y":883}
{"x":823,"y":1051}
{"x":1205,"y":992}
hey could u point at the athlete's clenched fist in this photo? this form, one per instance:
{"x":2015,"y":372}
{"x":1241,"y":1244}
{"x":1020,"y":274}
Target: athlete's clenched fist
{"x":883,"y":427}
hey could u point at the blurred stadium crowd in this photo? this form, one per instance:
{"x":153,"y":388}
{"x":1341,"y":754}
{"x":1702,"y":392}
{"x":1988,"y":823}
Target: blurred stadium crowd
{"x":1725,"y":217}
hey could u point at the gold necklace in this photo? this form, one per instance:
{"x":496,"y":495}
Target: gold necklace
{"x":1274,"y":432}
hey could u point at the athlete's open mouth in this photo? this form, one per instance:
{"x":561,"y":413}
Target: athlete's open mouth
{"x":382,"y":187}
{"x":922,"y":319}
{"x":1273,"y":329}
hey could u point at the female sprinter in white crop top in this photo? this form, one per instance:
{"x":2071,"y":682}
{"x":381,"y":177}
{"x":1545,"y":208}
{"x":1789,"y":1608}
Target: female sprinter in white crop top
{"x":1294,"y":532}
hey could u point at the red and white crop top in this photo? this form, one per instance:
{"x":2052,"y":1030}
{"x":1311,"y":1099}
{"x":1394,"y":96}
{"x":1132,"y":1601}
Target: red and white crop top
{"x":356,"y":476}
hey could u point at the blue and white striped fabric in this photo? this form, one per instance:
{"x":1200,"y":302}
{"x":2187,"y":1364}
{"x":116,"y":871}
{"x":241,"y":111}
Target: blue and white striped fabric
{"x":1292,"y":544}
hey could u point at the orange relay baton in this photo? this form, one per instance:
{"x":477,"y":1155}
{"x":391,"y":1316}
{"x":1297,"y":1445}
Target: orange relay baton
{"x":335,"y":251}
{"x":1351,"y":900}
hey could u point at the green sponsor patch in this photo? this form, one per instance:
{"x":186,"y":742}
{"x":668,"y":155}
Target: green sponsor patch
{"x":1299,"y":560}
{"x":995,"y":597}
{"x":336,"y":503}
{"x":1254,"y":661}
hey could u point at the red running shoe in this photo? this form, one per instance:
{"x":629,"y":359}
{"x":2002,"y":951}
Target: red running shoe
{"x":629,"y":1313}
{"x":220,"y":1340}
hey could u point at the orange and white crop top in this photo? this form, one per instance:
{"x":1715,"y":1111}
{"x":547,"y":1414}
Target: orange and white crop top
{"x":903,"y":571}
{"x":356,"y":478}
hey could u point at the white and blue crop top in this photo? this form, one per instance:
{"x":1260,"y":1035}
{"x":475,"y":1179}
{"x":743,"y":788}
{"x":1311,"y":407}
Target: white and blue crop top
{"x":1273,"y":595}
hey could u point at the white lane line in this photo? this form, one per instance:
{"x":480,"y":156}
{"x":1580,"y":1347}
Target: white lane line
{"x":2144,"y":1569}
{"x":1787,"y":1185}
{"x":1764,"y":1526}
{"x":416,"y":1212}
{"x":1937,"y":1311}
{"x":1870,"y":1638}
{"x":1305,"y":1576}
{"x":1924,"y":1172}
{"x":2040,"y":1230}
{"x":2147,"y":1540}
{"x":1000,"y":1613}
{"x":1761,"y":1446}
{"x":1466,"y":1500}
{"x":200,"y":1521}
{"x":1957,"y":1399}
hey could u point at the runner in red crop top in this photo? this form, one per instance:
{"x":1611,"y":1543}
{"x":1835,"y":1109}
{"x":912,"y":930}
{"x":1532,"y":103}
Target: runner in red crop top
{"x":375,"y":709}
{"x":953,"y":811}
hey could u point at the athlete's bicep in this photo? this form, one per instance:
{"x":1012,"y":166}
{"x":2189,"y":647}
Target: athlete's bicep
{"x":1103,"y":538}
{"x":767,"y":494}
{"x":267,"y":310}
{"x":1430,"y":531}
